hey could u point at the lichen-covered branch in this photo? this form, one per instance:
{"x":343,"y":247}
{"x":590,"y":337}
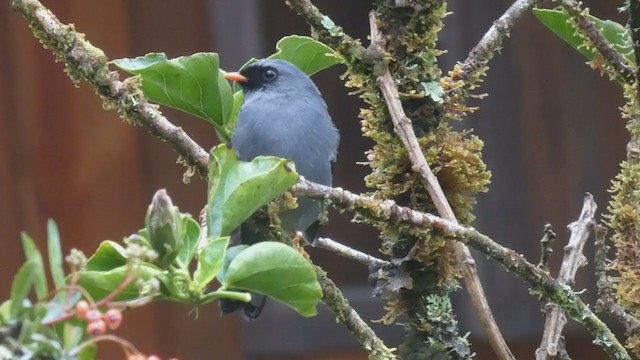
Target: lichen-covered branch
{"x":85,"y":62}
{"x":618,"y":64}
{"x":539,"y":280}
{"x":339,"y":306}
{"x":474,"y":68}
{"x":606,"y":301}
{"x":573,"y":259}
{"x":403,"y":127}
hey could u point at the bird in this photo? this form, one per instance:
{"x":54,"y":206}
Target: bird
{"x":284,"y":115}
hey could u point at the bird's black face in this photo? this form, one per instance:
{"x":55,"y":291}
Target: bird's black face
{"x":258,"y":77}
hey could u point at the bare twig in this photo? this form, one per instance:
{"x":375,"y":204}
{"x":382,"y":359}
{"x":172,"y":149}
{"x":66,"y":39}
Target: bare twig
{"x":606,"y":301}
{"x":546,"y":248}
{"x":539,"y":280}
{"x":403,"y":127}
{"x":587,"y":28}
{"x":350,"y":253}
{"x":573,"y":260}
{"x":475,"y":65}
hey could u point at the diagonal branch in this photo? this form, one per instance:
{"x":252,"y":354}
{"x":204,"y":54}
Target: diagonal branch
{"x":475,"y":66}
{"x":403,"y":127}
{"x":587,"y":28}
{"x":573,"y":260}
{"x":350,"y":253}
{"x":539,"y":280}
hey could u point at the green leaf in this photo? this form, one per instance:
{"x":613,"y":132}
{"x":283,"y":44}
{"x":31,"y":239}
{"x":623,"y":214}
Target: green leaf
{"x":210,"y":261}
{"x":88,"y":352}
{"x":191,"y":237}
{"x":33,"y":254}
{"x":193,"y":84}
{"x":232,"y":252}
{"x":238,"y":100}
{"x":237,"y":188}
{"x":164,"y":225}
{"x":109,"y":255}
{"x":558,"y":21}
{"x":102,"y":283}
{"x":22,"y":283}
{"x":308,"y":54}
{"x":278,"y":271}
{"x":55,"y":254}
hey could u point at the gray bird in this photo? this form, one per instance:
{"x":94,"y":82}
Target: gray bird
{"x":284,"y":115}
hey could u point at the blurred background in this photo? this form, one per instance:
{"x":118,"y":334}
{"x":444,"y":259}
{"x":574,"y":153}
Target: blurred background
{"x":551,"y":126}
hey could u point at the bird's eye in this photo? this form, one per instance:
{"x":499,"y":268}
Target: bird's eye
{"x":269,"y":74}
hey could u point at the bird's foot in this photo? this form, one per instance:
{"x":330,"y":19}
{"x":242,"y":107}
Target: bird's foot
{"x":298,"y":244}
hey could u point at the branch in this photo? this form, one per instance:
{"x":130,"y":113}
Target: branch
{"x":350,"y":253}
{"x":338,"y":304}
{"x":539,"y":280}
{"x":606,"y":301}
{"x":403,"y":127}
{"x":475,"y":66}
{"x":328,"y":32}
{"x":85,"y":62}
{"x":587,"y":28}
{"x":573,"y":259}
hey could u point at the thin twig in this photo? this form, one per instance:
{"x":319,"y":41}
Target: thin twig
{"x":403,"y":127}
{"x":546,"y":248}
{"x":573,"y":260}
{"x":475,"y":65}
{"x":539,"y":280}
{"x":344,"y":313}
{"x":587,"y":28}
{"x":606,"y":301}
{"x":350,"y":253}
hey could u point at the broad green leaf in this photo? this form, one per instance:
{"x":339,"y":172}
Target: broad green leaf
{"x":22,"y":283}
{"x":109,"y":255}
{"x":210,"y":261}
{"x":193,"y":84}
{"x":57,"y":307}
{"x":88,"y":352}
{"x":278,"y":271}
{"x":33,"y":254}
{"x":308,"y":54}
{"x":191,"y":238}
{"x":237,"y":188}
{"x":102,"y":283}
{"x":55,"y":254}
{"x":232,"y":252}
{"x":558,"y":21}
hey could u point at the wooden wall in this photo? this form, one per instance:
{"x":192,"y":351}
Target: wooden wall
{"x":551,"y":127}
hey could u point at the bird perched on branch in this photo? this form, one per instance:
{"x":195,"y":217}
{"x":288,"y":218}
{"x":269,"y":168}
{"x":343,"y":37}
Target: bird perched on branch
{"x":284,"y":115}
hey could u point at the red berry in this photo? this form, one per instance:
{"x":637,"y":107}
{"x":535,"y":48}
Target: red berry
{"x":113,"y":318}
{"x":153,"y":357}
{"x":96,"y":328}
{"x":82,"y":308}
{"x":93,"y":315}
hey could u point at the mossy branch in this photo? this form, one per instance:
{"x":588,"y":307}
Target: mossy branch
{"x":474,"y":68}
{"x":618,"y":64}
{"x":540,"y":281}
{"x":85,"y":62}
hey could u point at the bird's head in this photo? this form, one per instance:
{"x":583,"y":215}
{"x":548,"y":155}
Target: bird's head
{"x":271,"y":75}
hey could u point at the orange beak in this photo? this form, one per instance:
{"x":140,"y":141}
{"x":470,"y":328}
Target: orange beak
{"x":235,"y":76}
